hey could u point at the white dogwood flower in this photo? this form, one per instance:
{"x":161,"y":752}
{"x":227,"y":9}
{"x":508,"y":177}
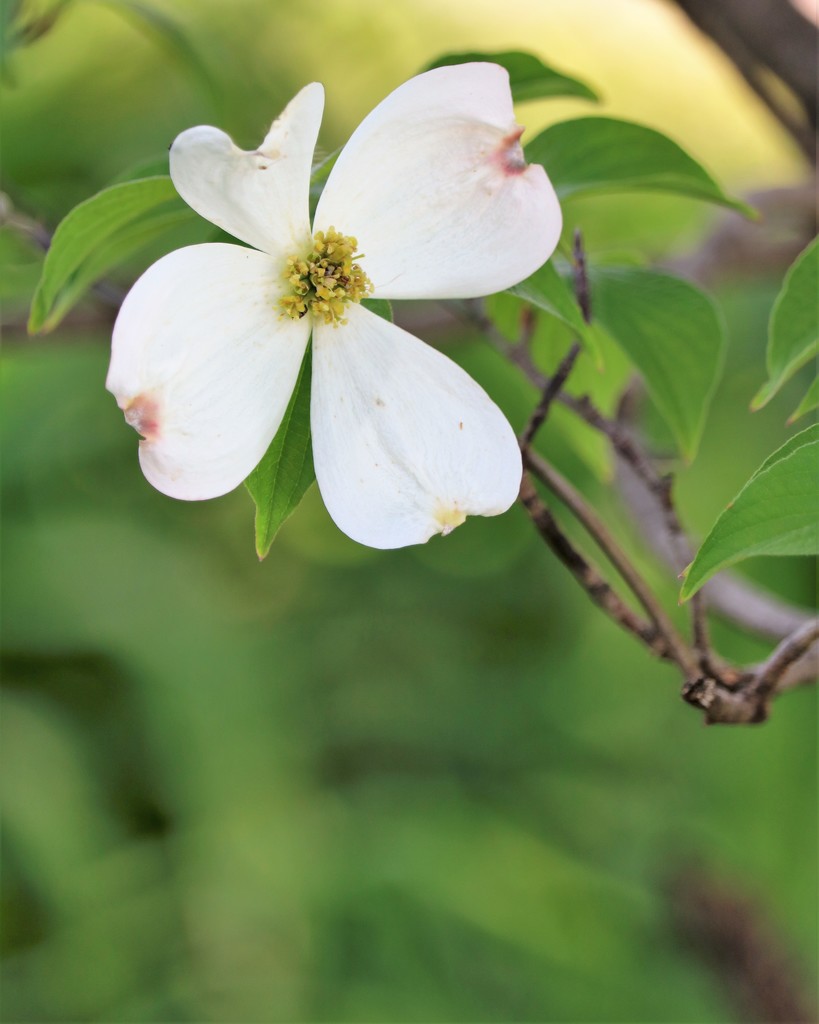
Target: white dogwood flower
{"x":434,"y":191}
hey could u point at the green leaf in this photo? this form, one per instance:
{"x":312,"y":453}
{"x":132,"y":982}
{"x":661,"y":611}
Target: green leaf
{"x":381,"y":307}
{"x":281,"y":479}
{"x":603,"y":154}
{"x":548,"y":291}
{"x":773,"y":514}
{"x":97,"y":236}
{"x":549,"y":344}
{"x":793,"y":330}
{"x":808,"y":403}
{"x":529,"y":77}
{"x":673,"y":334}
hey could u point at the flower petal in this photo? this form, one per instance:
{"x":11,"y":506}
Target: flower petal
{"x":434,"y":187}
{"x":262,"y":196}
{"x":405,"y":443}
{"x":203,"y":366}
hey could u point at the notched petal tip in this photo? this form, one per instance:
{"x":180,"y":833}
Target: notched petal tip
{"x":143,"y":414}
{"x":508,"y":155}
{"x":448,"y":518}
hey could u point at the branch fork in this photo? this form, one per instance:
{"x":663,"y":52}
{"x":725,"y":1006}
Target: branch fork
{"x":726,"y":695}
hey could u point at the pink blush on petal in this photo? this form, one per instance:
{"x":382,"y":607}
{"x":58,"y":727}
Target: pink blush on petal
{"x":142,"y":413}
{"x":509,"y":154}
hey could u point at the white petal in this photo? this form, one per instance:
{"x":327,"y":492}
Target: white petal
{"x":434,"y":187}
{"x":405,"y":443}
{"x":203,"y":366}
{"x":262,"y":196}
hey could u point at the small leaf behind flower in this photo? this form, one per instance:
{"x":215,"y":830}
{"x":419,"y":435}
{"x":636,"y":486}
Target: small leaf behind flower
{"x":282,"y":478}
{"x":529,"y":77}
{"x":97,"y":236}
{"x":773,"y":514}
{"x":381,"y":307}
{"x":604,"y":154}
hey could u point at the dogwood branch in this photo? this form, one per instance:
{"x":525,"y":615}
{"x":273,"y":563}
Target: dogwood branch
{"x":734,"y":598}
{"x":660,"y":485}
{"x":725,"y":694}
{"x":674,"y":645}
{"x":799,"y":645}
{"x":550,"y":392}
{"x":590,"y":579}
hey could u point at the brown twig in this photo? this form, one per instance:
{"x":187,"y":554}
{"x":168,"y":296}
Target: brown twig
{"x":550,"y":392}
{"x":660,"y":488}
{"x":670,"y":642}
{"x":586,"y":574}
{"x":677,"y":648}
{"x":737,"y":600}
{"x":798,"y":645}
{"x":660,"y":485}
{"x":724,"y":694}
{"x":743,"y":697}
{"x":732,"y":597}
{"x":554,"y":385}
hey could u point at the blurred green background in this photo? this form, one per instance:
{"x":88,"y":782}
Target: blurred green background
{"x":346,"y":785}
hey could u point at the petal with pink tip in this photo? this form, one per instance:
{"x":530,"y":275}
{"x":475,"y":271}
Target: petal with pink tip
{"x":434,"y":187}
{"x":203,"y":366}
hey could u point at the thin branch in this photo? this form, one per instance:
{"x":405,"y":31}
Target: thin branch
{"x":554,"y":386}
{"x":660,"y":489}
{"x":804,"y":670}
{"x":673,"y":645}
{"x":725,"y":695}
{"x":581,"y":277}
{"x":473,"y":312}
{"x":594,"y":525}
{"x":791,"y":650}
{"x":550,"y":393}
{"x":743,"y":697}
{"x":730,"y":596}
{"x":587,"y":576}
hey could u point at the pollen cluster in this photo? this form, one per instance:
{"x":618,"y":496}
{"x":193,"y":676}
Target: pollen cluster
{"x":325,"y":280}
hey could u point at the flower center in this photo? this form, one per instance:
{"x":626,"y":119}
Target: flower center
{"x":326,"y":279}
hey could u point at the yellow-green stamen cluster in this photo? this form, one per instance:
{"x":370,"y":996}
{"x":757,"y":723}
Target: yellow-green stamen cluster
{"x":325,"y":280}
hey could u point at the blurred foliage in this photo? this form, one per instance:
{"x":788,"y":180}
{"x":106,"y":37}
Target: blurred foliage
{"x":429,"y":784}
